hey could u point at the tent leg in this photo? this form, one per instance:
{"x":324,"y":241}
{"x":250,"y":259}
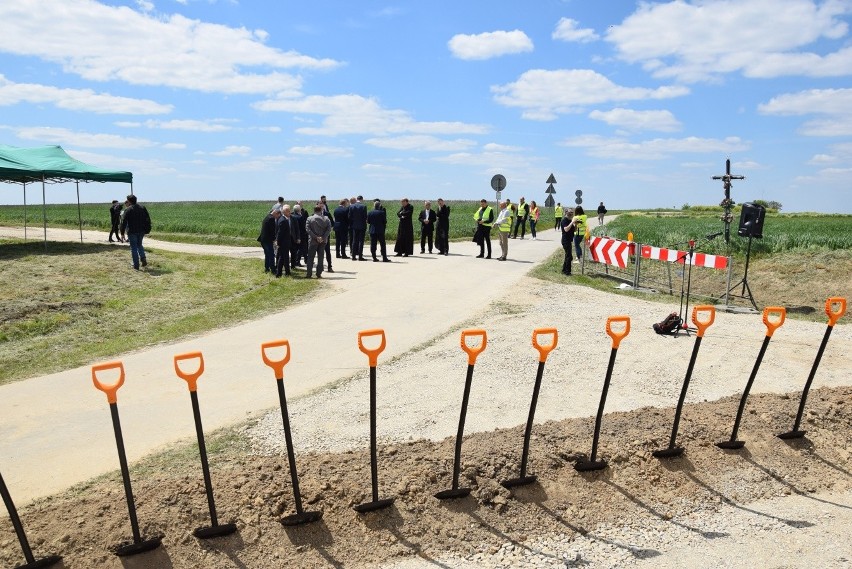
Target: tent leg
{"x":44,"y":210}
{"x":79,"y":214}
{"x":25,"y":212}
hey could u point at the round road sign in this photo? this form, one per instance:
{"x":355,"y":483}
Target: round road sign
{"x":498,"y":183}
{"x":578,"y":193}
{"x":578,"y":201}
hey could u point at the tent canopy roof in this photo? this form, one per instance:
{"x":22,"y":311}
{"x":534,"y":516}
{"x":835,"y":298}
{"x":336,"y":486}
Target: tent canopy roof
{"x":51,"y":164}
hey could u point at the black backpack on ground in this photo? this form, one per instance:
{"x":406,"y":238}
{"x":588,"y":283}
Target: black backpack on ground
{"x":669,"y":325}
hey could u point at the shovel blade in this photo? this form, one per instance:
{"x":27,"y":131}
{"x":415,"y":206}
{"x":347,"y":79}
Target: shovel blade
{"x":792,"y":435}
{"x":371,"y":506}
{"x":214,"y":531}
{"x":299,"y":519}
{"x":522,"y":481}
{"x":589,"y":465}
{"x":453,"y":493}
{"x":38,"y":563}
{"x":140,"y":547}
{"x":668,"y":452}
{"x":731,"y":445}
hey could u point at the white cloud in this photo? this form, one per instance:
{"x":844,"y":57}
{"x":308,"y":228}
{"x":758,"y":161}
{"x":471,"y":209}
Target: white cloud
{"x":494,"y":147}
{"x":103,"y":43}
{"x":321,"y":151}
{"x":174,"y":146}
{"x":76,"y":99}
{"x":233,"y":151}
{"x":835,"y":104}
{"x":489,"y":44}
{"x":64,"y":136}
{"x":353,"y":114}
{"x":420,"y":142}
{"x":567,"y":30}
{"x":701,"y":40}
{"x":212,"y":125}
{"x":259,"y":164}
{"x":663,"y":121}
{"x":655,"y":149}
{"x":145,"y":5}
{"x":546,"y":94}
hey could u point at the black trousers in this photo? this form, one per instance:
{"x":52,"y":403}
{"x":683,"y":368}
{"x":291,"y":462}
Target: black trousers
{"x":380,"y":241}
{"x":426,"y":237}
{"x":522,"y":223}
{"x":282,"y":261}
{"x":442,"y":241}
{"x":484,"y":240}
{"x":358,"y":243}
{"x":566,"y":263}
{"x":341,"y":238}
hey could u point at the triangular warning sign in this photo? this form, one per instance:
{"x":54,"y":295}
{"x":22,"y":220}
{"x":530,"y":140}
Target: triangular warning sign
{"x":551,"y":180}
{"x":550,"y":190}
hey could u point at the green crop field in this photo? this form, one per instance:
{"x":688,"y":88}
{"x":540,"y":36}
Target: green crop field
{"x":222,"y":223}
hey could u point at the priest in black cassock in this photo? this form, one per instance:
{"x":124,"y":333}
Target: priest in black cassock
{"x":405,"y":234}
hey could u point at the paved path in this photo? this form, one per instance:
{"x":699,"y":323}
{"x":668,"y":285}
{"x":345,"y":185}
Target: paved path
{"x":56,"y":430}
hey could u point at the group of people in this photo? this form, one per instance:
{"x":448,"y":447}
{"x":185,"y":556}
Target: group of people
{"x":288,"y":235}
{"x":510,"y":218}
{"x":130,"y":223}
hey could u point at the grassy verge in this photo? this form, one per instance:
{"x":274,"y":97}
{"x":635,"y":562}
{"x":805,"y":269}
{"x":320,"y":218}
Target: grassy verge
{"x":79,"y":303}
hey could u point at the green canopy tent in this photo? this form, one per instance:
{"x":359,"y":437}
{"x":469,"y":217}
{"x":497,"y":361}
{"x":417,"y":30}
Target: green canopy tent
{"x":51,"y":165}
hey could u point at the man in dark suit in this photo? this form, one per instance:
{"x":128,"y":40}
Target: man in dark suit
{"x":341,"y":228}
{"x":284,"y":240}
{"x":427,"y":219}
{"x":358,"y":224}
{"x":267,"y":238}
{"x":378,"y":221}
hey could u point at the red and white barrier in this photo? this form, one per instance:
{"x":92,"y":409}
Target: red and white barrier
{"x":610,"y":251}
{"x":675,"y":256}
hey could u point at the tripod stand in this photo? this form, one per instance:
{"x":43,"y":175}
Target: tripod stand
{"x":683,"y":312}
{"x":744,"y":280}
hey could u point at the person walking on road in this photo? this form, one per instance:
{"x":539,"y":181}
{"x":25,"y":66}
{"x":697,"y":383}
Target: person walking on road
{"x":377,"y":219}
{"x":404,"y":245}
{"x":318,"y":230}
{"x":522,"y":216}
{"x":427,"y":219}
{"x":484,"y":217}
{"x":136,"y":224}
{"x":601,"y":214}
{"x":442,"y":228}
{"x":504,"y":225}
{"x":115,"y":221}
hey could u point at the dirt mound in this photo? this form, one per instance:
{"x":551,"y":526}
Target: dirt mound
{"x":255,"y":491}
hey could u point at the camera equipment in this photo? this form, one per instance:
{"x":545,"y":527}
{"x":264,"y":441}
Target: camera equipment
{"x":727,"y":203}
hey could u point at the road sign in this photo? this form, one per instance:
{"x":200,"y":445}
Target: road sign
{"x":498,"y":183}
{"x":578,"y":201}
{"x":550,"y":189}
{"x":549,"y":202}
{"x":551,"y":180}
{"x":578,"y":193}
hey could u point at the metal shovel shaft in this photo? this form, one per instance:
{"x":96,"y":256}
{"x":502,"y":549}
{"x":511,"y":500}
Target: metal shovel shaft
{"x":683,"y":391}
{"x":202,"y":451}
{"x":291,"y":455}
{"x":460,"y":433}
{"x":599,"y":417}
{"x":528,"y":432}
{"x":125,"y":473}
{"x":748,"y":387}
{"x":374,"y":466}
{"x":811,"y":377}
{"x":16,"y":521}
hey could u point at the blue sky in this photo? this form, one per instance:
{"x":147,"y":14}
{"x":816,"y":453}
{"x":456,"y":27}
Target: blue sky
{"x":637,"y":104}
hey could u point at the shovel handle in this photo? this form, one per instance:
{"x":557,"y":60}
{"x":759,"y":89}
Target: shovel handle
{"x":772,"y":325}
{"x":373,"y":354}
{"x":473,"y":351}
{"x":703,"y":317}
{"x":276,"y":365}
{"x":190,"y":378}
{"x":834,"y":315}
{"x":112,"y":389}
{"x":544,"y":350}
{"x":617,"y":336}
